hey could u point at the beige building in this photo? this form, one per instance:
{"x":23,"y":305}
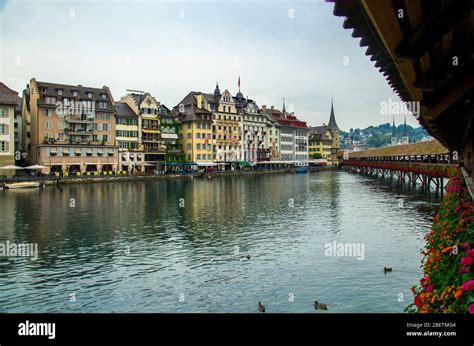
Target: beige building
{"x":70,"y":129}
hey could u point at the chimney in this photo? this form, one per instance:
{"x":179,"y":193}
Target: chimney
{"x":272,"y":107}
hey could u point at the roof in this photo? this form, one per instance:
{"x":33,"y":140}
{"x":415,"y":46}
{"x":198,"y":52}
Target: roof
{"x":432,"y":147}
{"x":414,"y":52}
{"x":284,"y":119}
{"x":8,"y":96}
{"x":332,"y":119}
{"x":18,"y":105}
{"x":188,"y":110}
{"x":320,"y":130}
{"x":67,"y":92}
{"x":123,"y":110}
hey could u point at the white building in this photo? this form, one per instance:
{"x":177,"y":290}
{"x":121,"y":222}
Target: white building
{"x":8,"y":103}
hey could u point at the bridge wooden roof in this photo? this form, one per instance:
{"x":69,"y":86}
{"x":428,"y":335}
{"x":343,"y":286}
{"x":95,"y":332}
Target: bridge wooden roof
{"x":432,"y":147}
{"x":424,"y":50}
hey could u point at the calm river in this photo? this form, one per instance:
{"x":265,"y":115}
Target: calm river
{"x":182,"y":245}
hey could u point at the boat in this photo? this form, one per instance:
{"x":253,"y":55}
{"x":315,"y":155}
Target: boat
{"x":22,"y":185}
{"x":301,"y":168}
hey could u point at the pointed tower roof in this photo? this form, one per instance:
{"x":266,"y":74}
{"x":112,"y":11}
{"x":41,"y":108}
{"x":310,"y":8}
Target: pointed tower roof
{"x":332,"y":119}
{"x":405,"y":133}
{"x":394,"y":129}
{"x":217,"y":91}
{"x":284,"y":110}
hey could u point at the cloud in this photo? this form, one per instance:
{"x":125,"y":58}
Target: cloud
{"x":171,"y":48}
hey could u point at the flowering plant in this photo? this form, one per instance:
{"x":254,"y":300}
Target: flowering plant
{"x":448,"y":284}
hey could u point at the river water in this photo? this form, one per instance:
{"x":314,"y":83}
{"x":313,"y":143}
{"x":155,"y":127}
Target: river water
{"x":182,"y":245}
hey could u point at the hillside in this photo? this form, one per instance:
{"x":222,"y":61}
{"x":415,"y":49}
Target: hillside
{"x":379,"y":136}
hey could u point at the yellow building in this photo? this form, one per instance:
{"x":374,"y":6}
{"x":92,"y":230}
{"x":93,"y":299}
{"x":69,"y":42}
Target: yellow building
{"x":320,"y":143}
{"x":324,"y":141}
{"x":195,"y":133}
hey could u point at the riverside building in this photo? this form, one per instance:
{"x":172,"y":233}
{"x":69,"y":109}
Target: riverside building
{"x":71,"y":128}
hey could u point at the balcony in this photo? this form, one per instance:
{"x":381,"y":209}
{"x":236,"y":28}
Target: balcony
{"x":78,"y":131}
{"x":78,"y":119}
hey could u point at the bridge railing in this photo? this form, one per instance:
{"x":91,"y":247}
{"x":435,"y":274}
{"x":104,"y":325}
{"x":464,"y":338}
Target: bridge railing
{"x":435,"y":170}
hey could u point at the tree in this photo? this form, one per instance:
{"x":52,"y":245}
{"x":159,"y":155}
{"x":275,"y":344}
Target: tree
{"x":317,"y":156}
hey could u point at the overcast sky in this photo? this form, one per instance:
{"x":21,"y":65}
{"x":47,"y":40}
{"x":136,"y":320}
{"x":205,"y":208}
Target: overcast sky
{"x":291,"y":49}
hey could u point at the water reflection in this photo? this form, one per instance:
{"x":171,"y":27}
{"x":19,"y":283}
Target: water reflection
{"x":135,"y":247}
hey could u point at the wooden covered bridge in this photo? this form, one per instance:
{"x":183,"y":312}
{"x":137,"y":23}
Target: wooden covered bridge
{"x":425,"y":51}
{"x":425,"y":162}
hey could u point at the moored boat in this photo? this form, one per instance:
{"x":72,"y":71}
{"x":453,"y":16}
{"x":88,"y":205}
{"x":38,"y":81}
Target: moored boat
{"x":22,"y":185}
{"x":301,"y":168}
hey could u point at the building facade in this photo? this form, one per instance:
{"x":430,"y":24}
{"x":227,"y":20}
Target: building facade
{"x":8,"y":104}
{"x":150,"y":150}
{"x":256,"y":143}
{"x":293,"y":135}
{"x":170,"y":126}
{"x":127,"y":138}
{"x":195,"y":133}
{"x":320,"y":141}
{"x":227,"y":115}
{"x":71,"y":129}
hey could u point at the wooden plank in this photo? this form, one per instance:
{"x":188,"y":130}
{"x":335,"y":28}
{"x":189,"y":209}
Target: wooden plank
{"x":452,"y":97}
{"x":383,"y":18}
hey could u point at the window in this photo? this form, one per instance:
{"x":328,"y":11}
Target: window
{"x":75,"y":93}
{"x":3,"y":129}
{"x":89,"y":94}
{"x":50,"y":100}
{"x":198,"y":146}
{"x":102,"y":104}
{"x":48,"y":124}
{"x":189,"y":146}
{"x":105,"y":138}
{"x":104,"y":96}
{"x":3,"y":112}
{"x":60,"y":125}
{"x":189,"y":136}
{"x":105,"y":127}
{"x":198,"y":135}
{"x":3,"y":146}
{"x":60,"y":91}
{"x":198,"y":156}
{"x":189,"y":157}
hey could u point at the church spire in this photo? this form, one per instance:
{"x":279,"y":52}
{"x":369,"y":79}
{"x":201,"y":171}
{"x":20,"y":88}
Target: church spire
{"x":394,"y":129}
{"x":284,"y":110}
{"x":405,"y":127}
{"x":217,"y":91}
{"x":332,"y":118}
{"x":405,"y":139}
